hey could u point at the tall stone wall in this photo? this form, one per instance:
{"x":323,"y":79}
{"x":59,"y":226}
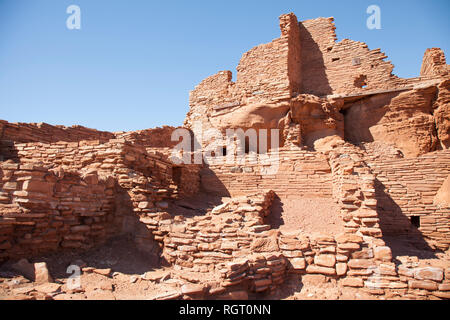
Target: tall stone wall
{"x":268,"y":73}
{"x":75,"y":195}
{"x":406,"y":188}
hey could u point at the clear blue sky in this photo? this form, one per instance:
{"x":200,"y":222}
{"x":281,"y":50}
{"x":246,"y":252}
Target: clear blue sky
{"x":133,"y":63}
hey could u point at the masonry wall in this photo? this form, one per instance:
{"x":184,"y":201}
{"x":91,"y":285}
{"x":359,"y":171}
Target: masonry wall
{"x":434,"y":63}
{"x":42,"y":132}
{"x":300,"y":174}
{"x":75,"y":195}
{"x":44,"y":210}
{"x":268,"y":73}
{"x":406,"y":188}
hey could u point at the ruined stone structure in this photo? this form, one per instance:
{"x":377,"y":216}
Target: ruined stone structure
{"x":361,"y":195}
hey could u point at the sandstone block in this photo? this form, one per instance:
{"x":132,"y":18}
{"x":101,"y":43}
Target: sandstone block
{"x":192,"y":289}
{"x":360,"y":263}
{"x":321,"y":270}
{"x":298,"y":263}
{"x":353,"y":282}
{"x":383,"y":254}
{"x":341,"y":269}
{"x":325,"y":260}
{"x":42,"y":275}
{"x":429,"y":273}
{"x":426,"y":285}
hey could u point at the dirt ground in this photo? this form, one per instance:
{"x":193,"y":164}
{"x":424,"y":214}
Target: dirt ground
{"x":310,"y":216}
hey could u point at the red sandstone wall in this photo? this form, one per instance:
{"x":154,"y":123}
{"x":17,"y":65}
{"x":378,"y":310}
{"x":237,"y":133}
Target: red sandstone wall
{"x":150,"y":138}
{"x":264,"y":75}
{"x":406,"y":188}
{"x":332,"y":67}
{"x":300,"y":174}
{"x":404,"y":120}
{"x":43,"y":210}
{"x":434,"y":63}
{"x":42,"y":132}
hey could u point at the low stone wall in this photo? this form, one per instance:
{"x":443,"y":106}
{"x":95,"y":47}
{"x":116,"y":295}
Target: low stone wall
{"x":43,"y":132}
{"x":231,"y":249}
{"x":74,"y":195}
{"x":44,"y":210}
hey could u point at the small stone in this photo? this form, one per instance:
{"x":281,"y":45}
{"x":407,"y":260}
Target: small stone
{"x":192,"y":289}
{"x":429,"y":273}
{"x":383,"y":254}
{"x":42,"y":275}
{"x":103,"y":272}
{"x":353,"y":282}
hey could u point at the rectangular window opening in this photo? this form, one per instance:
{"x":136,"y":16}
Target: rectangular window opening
{"x":415,"y":221}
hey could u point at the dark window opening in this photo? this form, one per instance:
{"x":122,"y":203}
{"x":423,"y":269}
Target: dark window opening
{"x":224,"y":151}
{"x":361,"y":81}
{"x":415,"y":221}
{"x":335,"y":59}
{"x":176,"y":175}
{"x":247,"y":145}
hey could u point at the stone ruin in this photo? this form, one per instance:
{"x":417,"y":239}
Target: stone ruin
{"x":360,"y":200}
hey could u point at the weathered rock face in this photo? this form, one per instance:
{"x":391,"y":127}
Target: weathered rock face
{"x":442,"y":114}
{"x":442,"y":197}
{"x":404,"y":120}
{"x":317,"y":118}
{"x":434,"y":63}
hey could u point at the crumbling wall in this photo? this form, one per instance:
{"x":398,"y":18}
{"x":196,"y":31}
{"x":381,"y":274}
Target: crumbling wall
{"x":264,"y":75}
{"x":330,"y":67}
{"x":231,"y":250}
{"x":42,"y":132}
{"x":44,"y":210}
{"x":434,"y":63}
{"x":81,"y":193}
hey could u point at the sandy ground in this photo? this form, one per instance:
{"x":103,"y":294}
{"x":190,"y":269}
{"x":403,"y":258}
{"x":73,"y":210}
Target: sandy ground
{"x":310,"y":216}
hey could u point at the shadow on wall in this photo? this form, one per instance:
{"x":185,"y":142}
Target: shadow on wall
{"x":360,"y":116}
{"x":210,"y":183}
{"x":275,"y":218}
{"x":398,"y":232}
{"x":314,"y":78}
{"x":123,"y":239}
{"x":8,"y":151}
